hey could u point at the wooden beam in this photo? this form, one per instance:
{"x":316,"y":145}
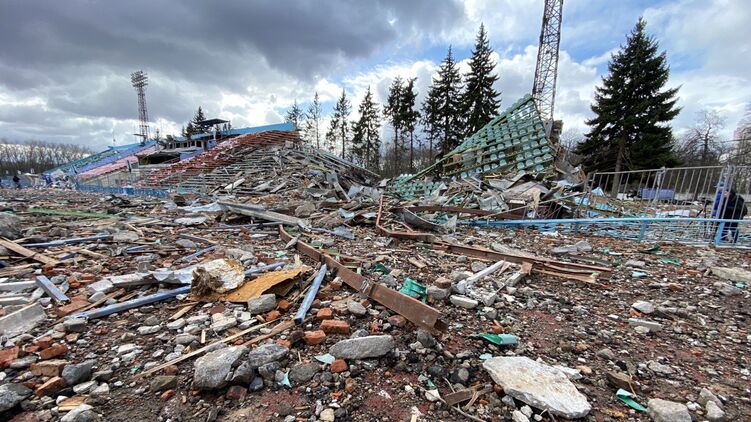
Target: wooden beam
{"x":28,"y":253}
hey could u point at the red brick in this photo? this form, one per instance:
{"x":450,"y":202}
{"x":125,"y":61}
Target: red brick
{"x":314,"y":337}
{"x":324,"y":314}
{"x":339,"y":365}
{"x":171,"y":370}
{"x":167,"y":395}
{"x":44,"y":342}
{"x":337,"y":298}
{"x":52,"y":386}
{"x":273,"y":316}
{"x":335,"y":326}
{"x":31,"y":348}
{"x":7,"y":356}
{"x":53,"y":351}
{"x":350,"y":385}
{"x":236,"y":392}
{"x":283,"y":305}
{"x":72,"y":337}
{"x":397,"y":320}
{"x":285,"y":343}
{"x":48,"y":368}
{"x":73,"y":306}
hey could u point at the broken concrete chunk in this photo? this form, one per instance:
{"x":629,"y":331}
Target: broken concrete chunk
{"x":213,"y":369}
{"x":538,"y":385}
{"x":735,"y":274}
{"x":649,"y":325}
{"x":75,"y":325}
{"x":10,"y":226}
{"x":363,"y":347}
{"x":125,"y":236}
{"x":219,"y":275}
{"x":644,"y":307}
{"x":22,"y":320}
{"x":82,"y":413}
{"x":12,"y":394}
{"x":667,"y":411}
{"x":464,"y":302}
{"x":356,"y":308}
{"x":266,"y":353}
{"x":262,"y":304}
{"x":726,"y":289}
{"x":302,"y":373}
{"x":76,"y":373}
{"x":714,"y":412}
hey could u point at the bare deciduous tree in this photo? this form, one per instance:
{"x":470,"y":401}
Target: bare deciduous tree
{"x":37,"y":156}
{"x":702,"y":145}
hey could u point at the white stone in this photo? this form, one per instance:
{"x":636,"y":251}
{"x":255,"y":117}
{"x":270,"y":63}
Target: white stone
{"x":176,"y":324}
{"x":668,"y":411}
{"x":464,"y":302}
{"x":714,"y":413}
{"x":538,"y":385}
{"x":644,"y":307}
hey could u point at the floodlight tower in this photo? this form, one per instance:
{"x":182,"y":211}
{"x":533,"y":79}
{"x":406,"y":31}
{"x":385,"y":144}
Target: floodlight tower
{"x":546,"y":72}
{"x":140,"y":81}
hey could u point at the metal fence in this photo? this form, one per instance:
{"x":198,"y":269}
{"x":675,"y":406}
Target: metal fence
{"x":719,"y":232}
{"x":689,"y":192}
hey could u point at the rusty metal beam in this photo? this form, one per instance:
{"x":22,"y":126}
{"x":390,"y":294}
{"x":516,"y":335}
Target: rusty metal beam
{"x":412,"y":309}
{"x":541,"y":265}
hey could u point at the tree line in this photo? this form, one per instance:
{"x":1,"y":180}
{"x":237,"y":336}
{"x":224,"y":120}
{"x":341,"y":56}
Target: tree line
{"x":455,"y":107}
{"x":37,"y":156}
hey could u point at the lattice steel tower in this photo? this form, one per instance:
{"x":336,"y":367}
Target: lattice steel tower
{"x":547,"y":60}
{"x":140,"y":81}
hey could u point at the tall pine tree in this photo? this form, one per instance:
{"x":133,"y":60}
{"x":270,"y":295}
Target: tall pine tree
{"x":633,"y":110}
{"x":313,"y":121}
{"x":338,"y":133}
{"x":366,"y":140}
{"x":430,"y":120}
{"x":448,"y":85}
{"x":480,"y":101}
{"x":393,"y":112}
{"x":409,"y":116}
{"x":295,"y":115}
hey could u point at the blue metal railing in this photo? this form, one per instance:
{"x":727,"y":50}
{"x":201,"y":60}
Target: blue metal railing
{"x":126,"y":190}
{"x":719,"y":232}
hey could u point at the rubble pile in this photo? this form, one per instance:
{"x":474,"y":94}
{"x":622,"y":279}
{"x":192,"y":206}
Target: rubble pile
{"x":333,"y":305}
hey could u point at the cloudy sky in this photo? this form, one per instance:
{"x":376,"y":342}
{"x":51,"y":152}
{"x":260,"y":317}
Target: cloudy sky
{"x":65,"y":65}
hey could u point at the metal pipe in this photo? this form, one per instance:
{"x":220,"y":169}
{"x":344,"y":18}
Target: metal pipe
{"x":197,"y":254}
{"x":263,"y":269}
{"x":62,"y":242}
{"x":130,"y":304}
{"x":300,"y":316}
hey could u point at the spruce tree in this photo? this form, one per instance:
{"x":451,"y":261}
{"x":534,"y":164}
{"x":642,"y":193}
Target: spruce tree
{"x":339,"y":128}
{"x":480,"y":101}
{"x":199,"y":117}
{"x":633,"y":110}
{"x":409,"y":116}
{"x":295,"y":115}
{"x":393,"y":111}
{"x":366,"y":140}
{"x":430,"y":121}
{"x":448,"y":88}
{"x":313,"y":121}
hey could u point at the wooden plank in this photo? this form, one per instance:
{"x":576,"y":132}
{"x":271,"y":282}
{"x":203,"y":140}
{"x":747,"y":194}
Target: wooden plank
{"x":28,"y":253}
{"x":56,"y":294}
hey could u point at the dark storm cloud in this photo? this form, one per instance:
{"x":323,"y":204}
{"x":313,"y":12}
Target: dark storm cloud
{"x":76,"y":55}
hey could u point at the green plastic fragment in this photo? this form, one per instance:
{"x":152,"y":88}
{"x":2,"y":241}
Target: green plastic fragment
{"x":380,"y":268}
{"x":638,"y":274}
{"x":485,"y":356}
{"x":414,"y":289}
{"x":430,"y":384}
{"x":628,"y":399}
{"x":673,"y":261}
{"x":740,"y":285}
{"x":497,"y":339}
{"x":653,"y":250}
{"x":280,"y":254}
